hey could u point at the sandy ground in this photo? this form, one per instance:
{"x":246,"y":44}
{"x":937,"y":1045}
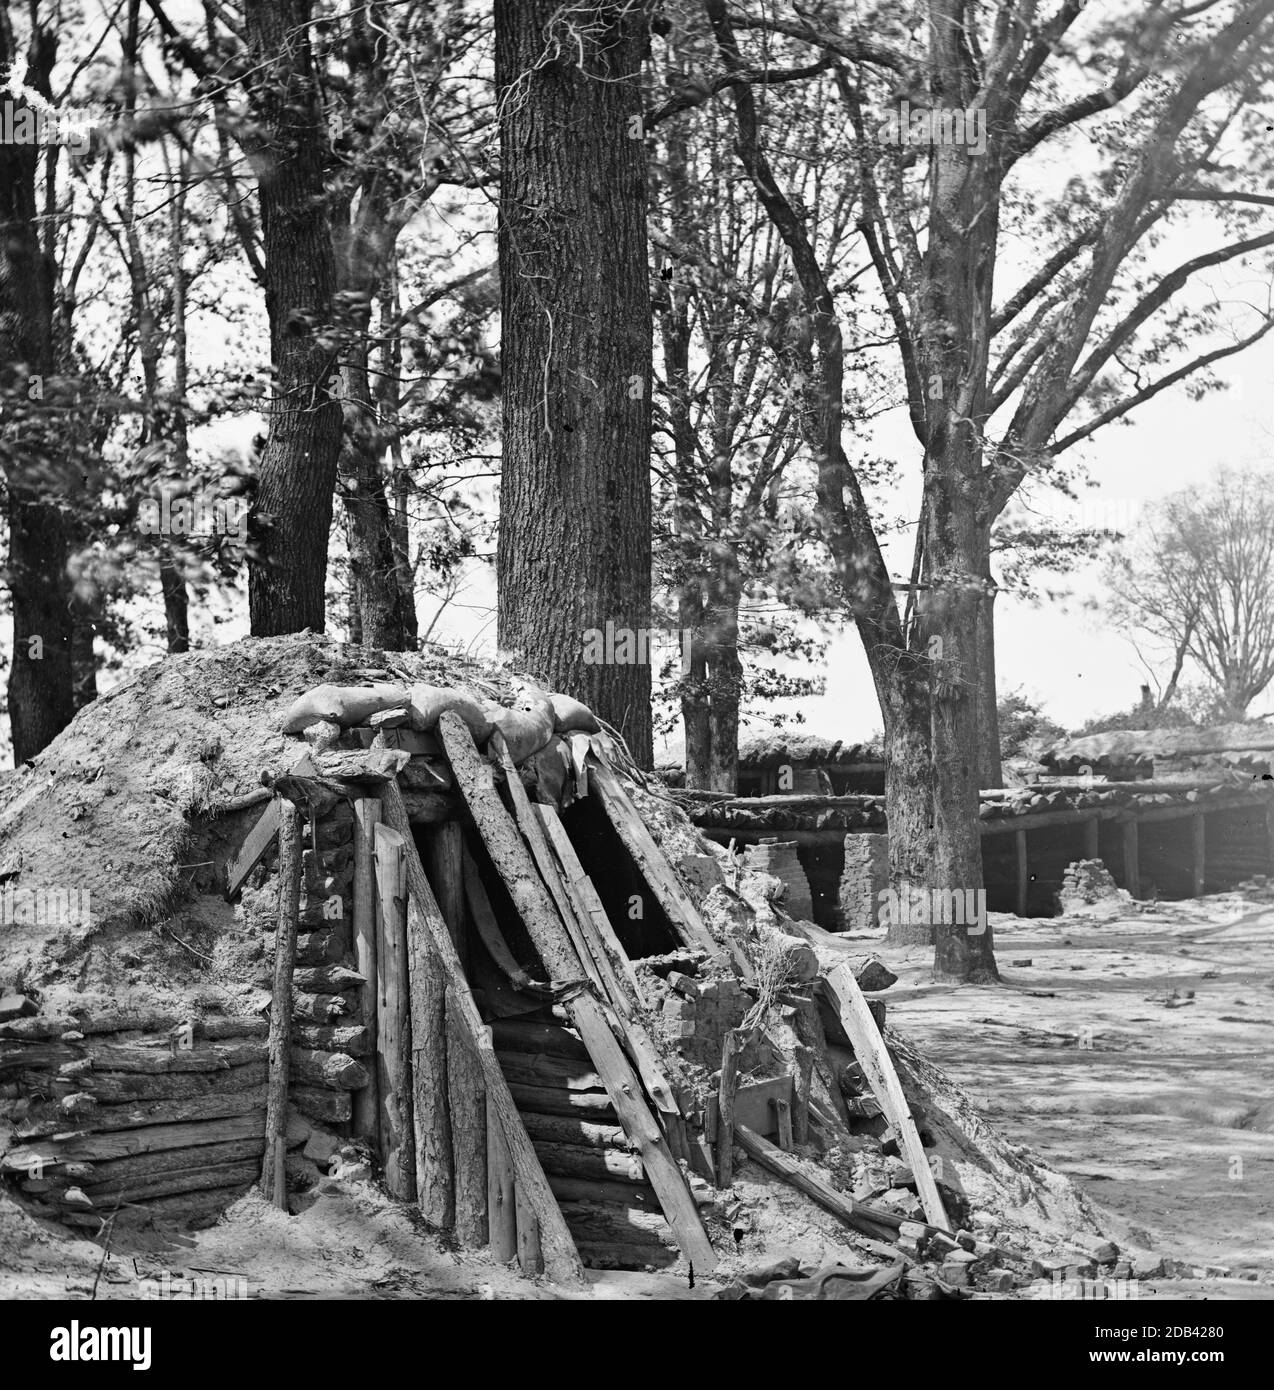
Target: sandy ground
{"x":353,"y":1243}
{"x":1095,"y":1055}
{"x":1158,"y":1103}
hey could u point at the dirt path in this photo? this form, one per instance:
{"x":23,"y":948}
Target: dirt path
{"x":1162,"y":1111}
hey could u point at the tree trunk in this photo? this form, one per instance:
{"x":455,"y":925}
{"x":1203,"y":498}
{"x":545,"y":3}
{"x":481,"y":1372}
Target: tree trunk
{"x":40,"y":693}
{"x":574,"y":547}
{"x":725,"y":681}
{"x":952,"y":342}
{"x":176,"y":604}
{"x":909,"y":807}
{"x":990,"y":769}
{"x":375,"y":593}
{"x":293,"y":514}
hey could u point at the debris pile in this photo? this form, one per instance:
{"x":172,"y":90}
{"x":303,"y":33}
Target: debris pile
{"x":1089,"y":881}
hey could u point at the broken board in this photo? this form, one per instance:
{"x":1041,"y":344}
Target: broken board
{"x":873,"y":1056}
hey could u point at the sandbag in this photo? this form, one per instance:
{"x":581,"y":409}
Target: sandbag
{"x":569,"y":715}
{"x":525,"y":731}
{"x":429,"y":702}
{"x":346,"y":705}
{"x":553,"y":774}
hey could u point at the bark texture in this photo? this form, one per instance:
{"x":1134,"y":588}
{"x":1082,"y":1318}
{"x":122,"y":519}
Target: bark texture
{"x":287,"y":145}
{"x":574,"y":545}
{"x":37,"y":476}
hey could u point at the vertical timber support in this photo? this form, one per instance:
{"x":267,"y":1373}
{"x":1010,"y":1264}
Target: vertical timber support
{"x":393,"y":1040}
{"x":560,"y":1258}
{"x":366,"y":818}
{"x":502,"y":1221}
{"x":1198,"y":827}
{"x":1023,"y":870}
{"x":1092,"y":831}
{"x":725,"y":1109}
{"x":273,"y":1168}
{"x":513,"y":861}
{"x":465,"y":1089}
{"x":1132,"y":861}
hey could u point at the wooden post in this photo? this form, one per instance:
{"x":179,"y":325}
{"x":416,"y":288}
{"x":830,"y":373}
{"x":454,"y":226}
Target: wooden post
{"x":513,"y":861}
{"x":393,"y":1040}
{"x":804,"y":1081}
{"x":725,"y":1108}
{"x":366,"y":818}
{"x":530,"y":1256}
{"x":1199,"y":860}
{"x":1132,"y":863}
{"x":561,"y":1259}
{"x":430,"y":1106}
{"x":502,"y":1223}
{"x":1023,"y":871}
{"x":783,"y":1122}
{"x":1269,"y":833}
{"x":273,"y":1174}
{"x":1092,"y":843}
{"x":444,"y":846}
{"x":461,"y":1196}
{"x":467,"y":1104}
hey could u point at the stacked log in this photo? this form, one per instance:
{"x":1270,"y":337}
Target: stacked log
{"x":143,"y":1113}
{"x":599,"y":1181}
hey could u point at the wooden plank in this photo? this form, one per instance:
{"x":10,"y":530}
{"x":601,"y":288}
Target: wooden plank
{"x":560,"y":1257}
{"x":593,"y":1106}
{"x":513,"y":861}
{"x":813,"y":1185}
{"x":1132,"y":859}
{"x":563,"y":1129}
{"x":527,"y":1036}
{"x":584,"y":1161}
{"x":1199,"y":856}
{"x":467,"y":1104}
{"x":533,"y":832}
{"x":684,"y":916}
{"x":1041,"y":820}
{"x":754,"y":1103}
{"x":273,"y":1179}
{"x":1023,"y":871}
{"x":530,"y":1249}
{"x":873,"y":1056}
{"x":488,"y":928}
{"x":725,"y":1108}
{"x":92,"y":1147}
{"x":625,"y":1194}
{"x":502,"y":1222}
{"x":1189,"y":808}
{"x":561,"y":1073}
{"x":366,"y":818}
{"x":586,"y":896}
{"x":252,"y":851}
{"x":466,"y":1092}
{"x":621,"y":984}
{"x":393,"y":1040}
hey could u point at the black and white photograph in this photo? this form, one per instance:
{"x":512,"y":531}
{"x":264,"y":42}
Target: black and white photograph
{"x":638,"y":662}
